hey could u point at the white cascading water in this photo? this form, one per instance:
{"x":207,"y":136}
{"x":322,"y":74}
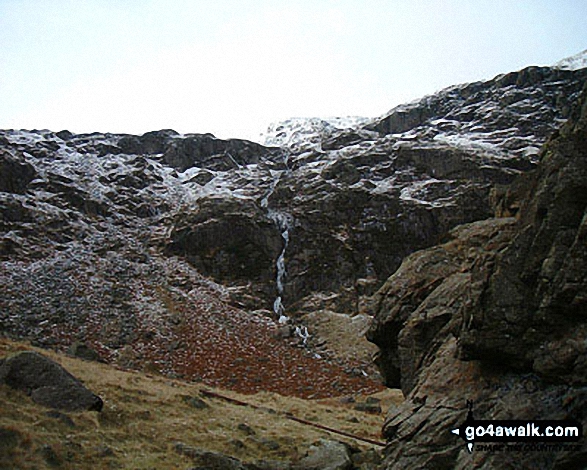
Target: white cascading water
{"x":284,"y":222}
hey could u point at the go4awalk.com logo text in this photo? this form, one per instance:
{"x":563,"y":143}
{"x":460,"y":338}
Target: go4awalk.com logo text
{"x":518,"y":435}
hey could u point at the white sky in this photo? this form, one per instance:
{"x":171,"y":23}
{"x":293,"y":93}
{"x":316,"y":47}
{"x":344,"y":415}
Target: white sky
{"x":231,"y":67}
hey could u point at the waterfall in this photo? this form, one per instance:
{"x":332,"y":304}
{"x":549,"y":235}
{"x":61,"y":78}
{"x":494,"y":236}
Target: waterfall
{"x":275,"y":177}
{"x":284,"y":223}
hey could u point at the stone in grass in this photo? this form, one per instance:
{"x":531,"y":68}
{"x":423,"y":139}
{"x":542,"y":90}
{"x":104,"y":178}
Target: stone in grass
{"x":63,"y":418}
{"x":83,"y":351}
{"x":208,"y":460}
{"x":47,"y":383}
{"x":326,"y":455}
{"x":194,"y":402}
{"x":269,"y":465}
{"x":49,"y":455}
{"x":373,"y":408}
{"x":245,"y":428}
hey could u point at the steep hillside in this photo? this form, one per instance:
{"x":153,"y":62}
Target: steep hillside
{"x":150,"y":421}
{"x":234,"y":263}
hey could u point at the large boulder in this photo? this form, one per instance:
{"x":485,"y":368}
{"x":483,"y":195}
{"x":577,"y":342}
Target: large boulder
{"x":326,"y":455}
{"x":424,"y":294}
{"x":539,"y":293}
{"x":47,"y":383}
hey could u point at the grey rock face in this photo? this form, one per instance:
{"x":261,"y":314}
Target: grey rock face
{"x":508,"y":111}
{"x":539,"y":293}
{"x":496,"y":316}
{"x":215,"y":154}
{"x":228,"y":240}
{"x":47,"y":383}
{"x":15,"y":173}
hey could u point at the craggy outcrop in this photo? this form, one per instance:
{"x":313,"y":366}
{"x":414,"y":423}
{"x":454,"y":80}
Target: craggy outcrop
{"x":502,"y":106}
{"x":364,"y":198}
{"x":496,"y":315}
{"x":15,"y":173}
{"x":230,"y":240}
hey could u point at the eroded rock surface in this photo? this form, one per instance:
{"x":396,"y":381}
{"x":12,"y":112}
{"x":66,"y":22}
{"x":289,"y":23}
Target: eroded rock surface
{"x":496,"y":315}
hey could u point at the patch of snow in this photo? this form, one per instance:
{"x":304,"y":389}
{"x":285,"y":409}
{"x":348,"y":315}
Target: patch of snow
{"x":384,"y":186}
{"x":306,"y":133}
{"x":417,"y":189}
{"x":469,"y":142}
{"x":575,"y":62}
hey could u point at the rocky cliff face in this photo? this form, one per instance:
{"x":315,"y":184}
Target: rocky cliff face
{"x":495,"y":315}
{"x":142,"y":245}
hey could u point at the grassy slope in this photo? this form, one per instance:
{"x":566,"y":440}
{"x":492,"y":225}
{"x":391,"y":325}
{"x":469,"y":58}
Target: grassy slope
{"x":145,"y":416}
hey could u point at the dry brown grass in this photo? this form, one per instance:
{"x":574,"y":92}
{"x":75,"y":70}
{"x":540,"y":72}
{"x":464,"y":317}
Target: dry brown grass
{"x":145,"y":415}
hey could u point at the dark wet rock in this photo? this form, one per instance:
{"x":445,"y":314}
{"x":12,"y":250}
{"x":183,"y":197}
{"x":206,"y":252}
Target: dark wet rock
{"x":47,"y":383}
{"x":151,"y":143}
{"x":496,"y":316}
{"x":228,"y":239}
{"x":233,"y":241}
{"x":64,"y":134}
{"x":15,"y":173}
{"x":343,"y":235}
{"x":206,"y":151}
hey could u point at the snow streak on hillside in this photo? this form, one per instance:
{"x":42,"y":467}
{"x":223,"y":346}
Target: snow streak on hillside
{"x":299,"y":134}
{"x":576,"y":62}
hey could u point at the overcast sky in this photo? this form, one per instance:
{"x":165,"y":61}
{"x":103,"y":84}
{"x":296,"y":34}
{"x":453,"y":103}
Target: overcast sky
{"x":231,"y":67}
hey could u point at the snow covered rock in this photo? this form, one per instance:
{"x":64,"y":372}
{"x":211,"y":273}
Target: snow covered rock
{"x":575,"y":62}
